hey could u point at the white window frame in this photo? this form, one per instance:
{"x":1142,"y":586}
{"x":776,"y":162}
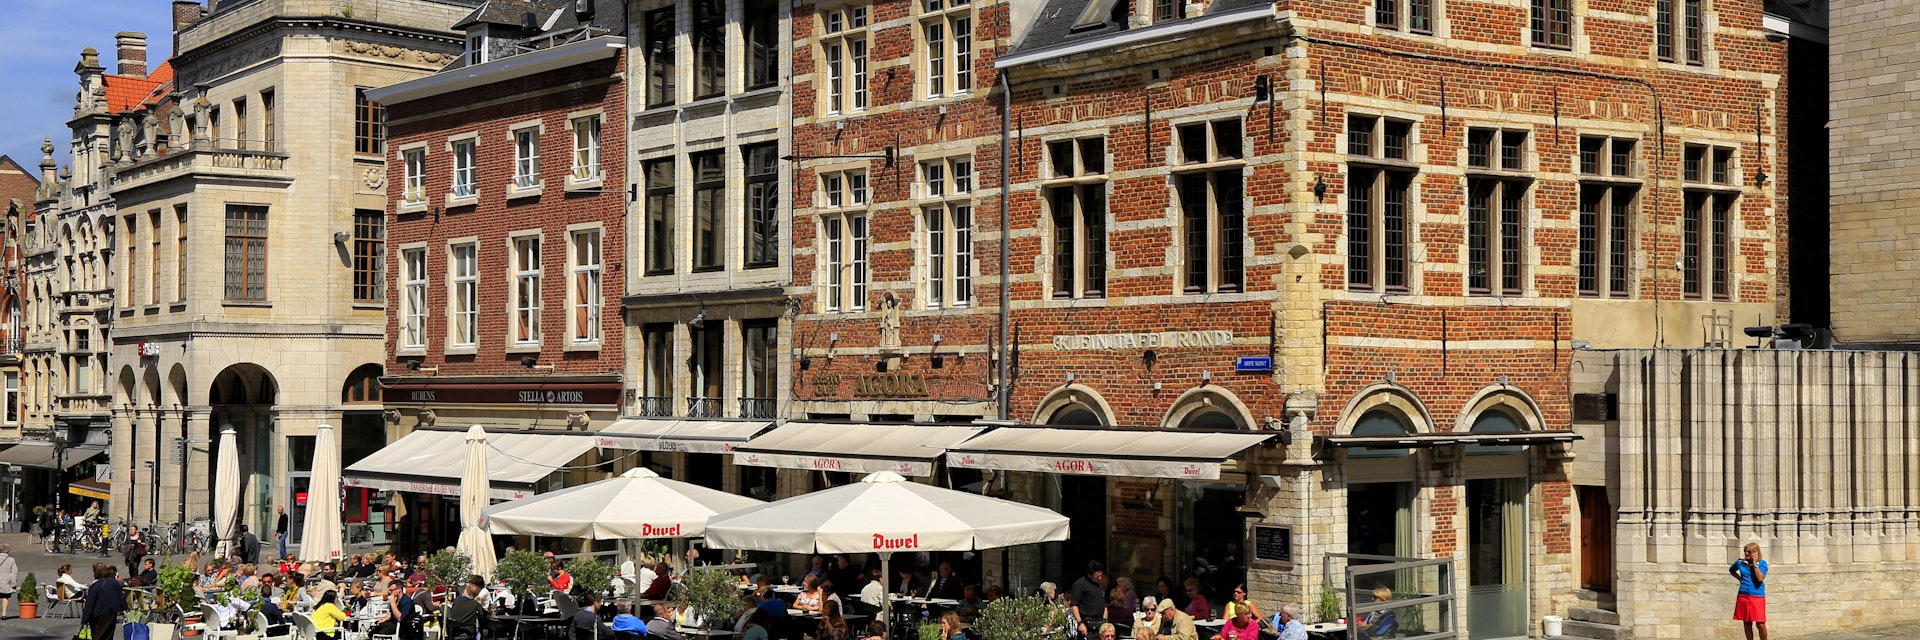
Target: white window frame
{"x":585,"y":296}
{"x":586,"y":149}
{"x":413,"y":161}
{"x":844,"y":189}
{"x":1079,"y":177}
{"x":846,"y":238}
{"x":413,"y":299}
{"x":845,"y":49}
{"x":10,"y":414}
{"x":463,"y":293}
{"x":477,"y":45}
{"x":946,"y":222}
{"x":526,"y":158}
{"x":466,"y":168}
{"x":946,"y":48}
{"x":524,"y":317}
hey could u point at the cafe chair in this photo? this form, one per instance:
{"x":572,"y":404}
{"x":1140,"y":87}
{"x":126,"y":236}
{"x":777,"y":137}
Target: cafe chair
{"x":304,"y":629}
{"x":52,"y":593}
{"x":215,"y":624}
{"x":260,"y":623}
{"x":565,"y":604}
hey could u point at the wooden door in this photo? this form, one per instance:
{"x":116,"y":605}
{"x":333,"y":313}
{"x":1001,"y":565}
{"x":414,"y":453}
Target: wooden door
{"x":1596,"y":539}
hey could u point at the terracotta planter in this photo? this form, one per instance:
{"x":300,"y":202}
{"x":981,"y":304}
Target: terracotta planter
{"x":190,"y":626}
{"x":29,"y":610}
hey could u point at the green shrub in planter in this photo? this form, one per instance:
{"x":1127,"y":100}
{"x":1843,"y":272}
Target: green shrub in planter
{"x":30,"y":587}
{"x":522,"y":570}
{"x":1024,"y":618}
{"x":1329,"y":608}
{"x":176,"y":588}
{"x":709,"y":593}
{"x":448,"y":568}
{"x":590,"y":575}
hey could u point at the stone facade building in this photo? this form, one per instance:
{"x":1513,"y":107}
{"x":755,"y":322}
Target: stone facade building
{"x":1870,"y":44}
{"x":69,"y":260}
{"x":250,"y":244}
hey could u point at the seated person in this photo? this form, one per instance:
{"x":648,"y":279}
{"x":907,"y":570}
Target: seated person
{"x":465,"y":614}
{"x":586,"y":621}
{"x":70,"y":588}
{"x":1379,"y":623}
{"x":657,"y":588}
{"x":626,"y":626}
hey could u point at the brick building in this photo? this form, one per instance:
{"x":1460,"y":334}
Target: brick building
{"x":505,"y":244}
{"x":1380,"y":229}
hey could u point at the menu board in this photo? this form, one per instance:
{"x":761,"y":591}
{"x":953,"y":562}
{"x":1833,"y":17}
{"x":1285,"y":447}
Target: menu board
{"x":1272,"y":545}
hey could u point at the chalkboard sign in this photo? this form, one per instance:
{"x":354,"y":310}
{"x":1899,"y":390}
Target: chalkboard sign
{"x":1272,"y":545}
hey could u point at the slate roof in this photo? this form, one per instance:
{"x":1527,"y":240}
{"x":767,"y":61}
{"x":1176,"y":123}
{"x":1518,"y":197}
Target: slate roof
{"x":508,"y":12}
{"x":1054,"y":25}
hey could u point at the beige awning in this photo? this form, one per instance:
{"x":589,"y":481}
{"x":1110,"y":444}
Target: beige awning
{"x":1156,"y":453}
{"x":430,"y":461}
{"x":43,"y":455}
{"x":906,"y":449}
{"x":1425,"y":440}
{"x":672,"y":434}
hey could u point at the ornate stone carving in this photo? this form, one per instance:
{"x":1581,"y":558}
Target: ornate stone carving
{"x":426,"y":418}
{"x":374,"y":177}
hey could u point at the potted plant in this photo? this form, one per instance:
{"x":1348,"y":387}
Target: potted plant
{"x":447,"y":568}
{"x":522,"y":570}
{"x":1022,"y":618}
{"x":1329,"y":608}
{"x":708,"y":593}
{"x":930,"y":632}
{"x":175,"y":586}
{"x":29,"y":597}
{"x":590,"y":575}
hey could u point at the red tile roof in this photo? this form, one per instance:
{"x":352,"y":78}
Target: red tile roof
{"x":125,"y":93}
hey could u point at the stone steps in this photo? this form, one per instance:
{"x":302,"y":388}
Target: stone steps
{"x":1594,"y":630}
{"x":1588,"y":614}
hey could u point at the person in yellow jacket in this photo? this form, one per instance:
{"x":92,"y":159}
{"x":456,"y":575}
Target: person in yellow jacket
{"x":327,"y":616}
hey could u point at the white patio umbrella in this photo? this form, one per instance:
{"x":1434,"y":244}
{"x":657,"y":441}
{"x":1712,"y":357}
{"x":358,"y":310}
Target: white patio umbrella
{"x":226,"y":490}
{"x":320,"y":534}
{"x":884,"y":513}
{"x":474,"y":489}
{"x":636,"y":504}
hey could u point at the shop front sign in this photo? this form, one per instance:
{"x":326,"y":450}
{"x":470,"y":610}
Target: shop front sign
{"x":535,"y":394}
{"x":1159,"y":340}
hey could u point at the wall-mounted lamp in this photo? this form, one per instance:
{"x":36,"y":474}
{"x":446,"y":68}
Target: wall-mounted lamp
{"x":533,"y":362}
{"x":1206,"y":376}
{"x":1320,"y":188}
{"x":415,"y":365}
{"x":1069,"y":377}
{"x":699,"y":319}
{"x":936,"y":338}
{"x":341,"y":237}
{"x":833,"y":337}
{"x":891,"y":154}
{"x":1759,"y":177}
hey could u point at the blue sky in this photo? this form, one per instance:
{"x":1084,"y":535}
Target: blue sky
{"x":40,"y":41}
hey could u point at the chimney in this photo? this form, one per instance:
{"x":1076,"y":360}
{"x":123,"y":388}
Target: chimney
{"x":131,"y":51}
{"x":185,"y":14}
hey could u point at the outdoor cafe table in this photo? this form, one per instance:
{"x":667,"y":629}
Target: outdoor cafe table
{"x":707,"y":633}
{"x":1326,"y":630}
{"x":520,"y":621}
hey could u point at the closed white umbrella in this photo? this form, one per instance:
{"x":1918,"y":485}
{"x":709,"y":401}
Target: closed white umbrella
{"x":884,"y":513}
{"x":320,"y":534}
{"x":226,"y":490}
{"x":636,"y":504}
{"x":474,"y":487}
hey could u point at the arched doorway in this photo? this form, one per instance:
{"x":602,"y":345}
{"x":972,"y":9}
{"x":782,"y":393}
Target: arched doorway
{"x":1083,"y":499}
{"x":242,"y":396}
{"x":1496,"y":536}
{"x":1208,"y":525}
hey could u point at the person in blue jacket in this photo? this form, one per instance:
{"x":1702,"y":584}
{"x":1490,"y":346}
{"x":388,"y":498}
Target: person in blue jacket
{"x":1750,"y":607}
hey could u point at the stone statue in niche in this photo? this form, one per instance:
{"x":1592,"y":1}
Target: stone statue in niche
{"x":889,"y":322}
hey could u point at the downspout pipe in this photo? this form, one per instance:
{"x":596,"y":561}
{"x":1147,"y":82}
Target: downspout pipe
{"x":1005,"y":391}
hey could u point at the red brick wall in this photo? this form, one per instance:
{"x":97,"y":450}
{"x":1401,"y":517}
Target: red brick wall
{"x":490,"y":110}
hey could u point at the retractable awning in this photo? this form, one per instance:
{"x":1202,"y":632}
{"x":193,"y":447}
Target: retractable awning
{"x":90,"y":488}
{"x":906,"y":449}
{"x":1426,"y":440}
{"x":430,"y":461}
{"x":669,"y":434}
{"x":43,"y":455}
{"x":1190,"y":455}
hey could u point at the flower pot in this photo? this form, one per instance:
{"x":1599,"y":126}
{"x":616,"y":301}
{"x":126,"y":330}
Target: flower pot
{"x":190,"y":626}
{"x":29,"y":609}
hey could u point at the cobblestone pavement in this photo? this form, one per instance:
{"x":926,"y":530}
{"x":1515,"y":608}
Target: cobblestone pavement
{"x":1908,"y":630}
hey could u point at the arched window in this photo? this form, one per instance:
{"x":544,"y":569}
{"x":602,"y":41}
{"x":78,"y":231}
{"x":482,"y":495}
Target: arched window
{"x":1075,"y":415}
{"x":1210,"y":419}
{"x":1494,"y":421}
{"x":363,"y":386}
{"x":1380,"y":423}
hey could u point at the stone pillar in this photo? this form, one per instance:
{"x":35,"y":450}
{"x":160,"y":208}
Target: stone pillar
{"x":197,"y":494}
{"x":122,"y":456}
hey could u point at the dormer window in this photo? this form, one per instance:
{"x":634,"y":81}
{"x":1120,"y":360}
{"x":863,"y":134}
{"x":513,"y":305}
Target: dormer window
{"x":477,"y":45}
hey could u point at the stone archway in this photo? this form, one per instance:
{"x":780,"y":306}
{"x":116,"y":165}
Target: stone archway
{"x":242,"y":396}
